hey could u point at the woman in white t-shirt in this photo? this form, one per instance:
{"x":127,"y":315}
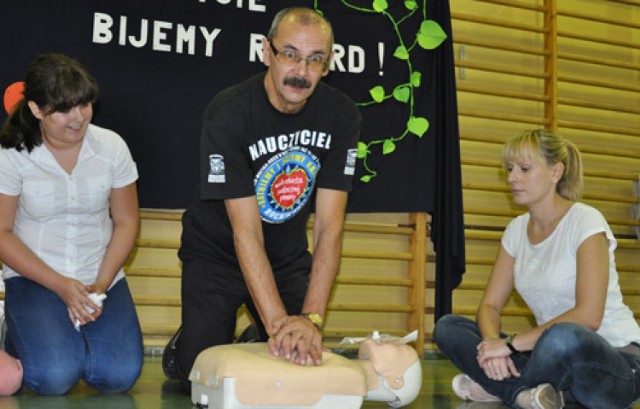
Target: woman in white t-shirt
{"x":68,"y":221}
{"x":559,"y":256}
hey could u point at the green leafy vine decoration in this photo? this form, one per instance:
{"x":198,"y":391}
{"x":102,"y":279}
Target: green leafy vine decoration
{"x":429,"y":36}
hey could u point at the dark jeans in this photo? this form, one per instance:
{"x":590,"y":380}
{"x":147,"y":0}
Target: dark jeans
{"x":106,"y":354}
{"x":569,"y":356}
{"x":211,"y":296}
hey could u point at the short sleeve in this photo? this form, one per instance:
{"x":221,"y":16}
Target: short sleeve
{"x":586,"y":222}
{"x":222,"y":148}
{"x":511,"y":234}
{"x":125,"y":171}
{"x":10,"y":176}
{"x":339,"y":165}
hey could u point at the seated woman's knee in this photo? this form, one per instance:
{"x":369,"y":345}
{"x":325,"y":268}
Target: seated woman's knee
{"x":446,"y":327}
{"x":564,"y":337}
{"x":441,"y":328}
{"x":116,"y":381}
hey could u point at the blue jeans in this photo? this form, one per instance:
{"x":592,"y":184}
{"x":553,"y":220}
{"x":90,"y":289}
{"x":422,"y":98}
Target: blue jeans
{"x":106,"y":354}
{"x":570,"y":357}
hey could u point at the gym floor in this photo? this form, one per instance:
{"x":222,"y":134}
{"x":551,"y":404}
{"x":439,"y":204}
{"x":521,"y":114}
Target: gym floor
{"x":154,"y":391}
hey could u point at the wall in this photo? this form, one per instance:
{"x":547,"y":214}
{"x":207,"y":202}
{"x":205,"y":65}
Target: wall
{"x":573,"y":66}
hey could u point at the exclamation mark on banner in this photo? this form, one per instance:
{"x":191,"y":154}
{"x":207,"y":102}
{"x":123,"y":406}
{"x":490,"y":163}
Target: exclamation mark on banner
{"x":381,"y":57}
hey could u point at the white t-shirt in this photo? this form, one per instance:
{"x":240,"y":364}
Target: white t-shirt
{"x":545,"y":273}
{"x":64,"y":218}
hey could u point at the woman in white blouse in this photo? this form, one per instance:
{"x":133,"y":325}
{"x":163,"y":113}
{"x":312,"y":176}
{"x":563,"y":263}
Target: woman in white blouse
{"x":68,"y":220}
{"x":559,"y":256}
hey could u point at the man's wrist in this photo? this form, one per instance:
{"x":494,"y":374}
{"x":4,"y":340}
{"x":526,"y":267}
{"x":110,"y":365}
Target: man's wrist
{"x":316,"y":319}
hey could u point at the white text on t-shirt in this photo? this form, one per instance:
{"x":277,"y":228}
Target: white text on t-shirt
{"x":282,"y":142}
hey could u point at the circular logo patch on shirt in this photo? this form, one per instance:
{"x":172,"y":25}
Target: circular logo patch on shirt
{"x":285,"y":183}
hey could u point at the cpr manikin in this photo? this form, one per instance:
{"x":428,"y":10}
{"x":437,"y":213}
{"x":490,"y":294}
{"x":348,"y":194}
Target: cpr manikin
{"x":248,"y":376}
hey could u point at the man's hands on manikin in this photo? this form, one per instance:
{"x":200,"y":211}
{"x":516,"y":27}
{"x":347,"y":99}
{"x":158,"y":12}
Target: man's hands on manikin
{"x":296,"y":339}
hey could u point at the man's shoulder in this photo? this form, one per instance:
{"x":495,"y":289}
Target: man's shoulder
{"x":328,"y":96}
{"x":326,"y":90}
{"x":235,"y":93}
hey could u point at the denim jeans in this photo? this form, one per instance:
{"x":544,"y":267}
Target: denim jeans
{"x":570,"y":357}
{"x":106,"y":354}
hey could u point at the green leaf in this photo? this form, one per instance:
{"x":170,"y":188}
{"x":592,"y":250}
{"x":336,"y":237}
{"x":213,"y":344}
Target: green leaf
{"x":410,"y":4}
{"x":388,"y":147}
{"x":430,"y":35}
{"x":362,"y":150}
{"x":416,"y":79}
{"x":377,"y":93}
{"x":418,"y":125}
{"x":401,"y":53}
{"x":366,"y":178}
{"x":380,"y":5}
{"x":402,"y":93}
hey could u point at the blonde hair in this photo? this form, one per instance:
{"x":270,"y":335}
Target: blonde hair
{"x":549,"y":148}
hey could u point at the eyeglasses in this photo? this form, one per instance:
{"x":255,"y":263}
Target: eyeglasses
{"x":315,"y":62}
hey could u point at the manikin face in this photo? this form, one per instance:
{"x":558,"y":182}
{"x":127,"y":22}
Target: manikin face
{"x":532,"y":180}
{"x":291,"y":81}
{"x":63,"y":129}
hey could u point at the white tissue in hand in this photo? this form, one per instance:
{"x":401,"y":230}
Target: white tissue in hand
{"x":97,"y":300}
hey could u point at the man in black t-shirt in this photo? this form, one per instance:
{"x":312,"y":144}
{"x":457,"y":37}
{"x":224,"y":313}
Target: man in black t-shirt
{"x":270,"y":146}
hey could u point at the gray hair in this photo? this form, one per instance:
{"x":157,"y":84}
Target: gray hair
{"x":304,"y":16}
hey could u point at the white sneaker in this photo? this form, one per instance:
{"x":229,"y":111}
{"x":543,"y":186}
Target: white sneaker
{"x":466,"y":388}
{"x":542,"y":396}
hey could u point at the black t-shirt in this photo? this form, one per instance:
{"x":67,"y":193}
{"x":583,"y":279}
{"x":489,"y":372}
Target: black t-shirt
{"x":249,"y":148}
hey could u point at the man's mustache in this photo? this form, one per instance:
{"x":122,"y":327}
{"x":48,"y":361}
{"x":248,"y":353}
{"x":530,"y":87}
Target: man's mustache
{"x":297,"y":82}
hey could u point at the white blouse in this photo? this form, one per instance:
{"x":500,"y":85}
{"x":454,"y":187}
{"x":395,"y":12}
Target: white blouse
{"x":64,"y":218}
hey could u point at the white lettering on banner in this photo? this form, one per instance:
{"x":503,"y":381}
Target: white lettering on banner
{"x":185,"y":36}
{"x":252,"y":5}
{"x":102,"y":34}
{"x":255,"y":47}
{"x":354,"y":55}
{"x":159,"y":35}
{"x":166,"y":36}
{"x":209,"y":37}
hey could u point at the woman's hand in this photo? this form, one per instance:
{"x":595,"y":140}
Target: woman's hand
{"x":75,"y":295}
{"x":97,"y":289}
{"x":493,"y":358}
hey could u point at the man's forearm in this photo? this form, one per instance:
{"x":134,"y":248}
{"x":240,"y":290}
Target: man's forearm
{"x":327,"y":248}
{"x":253,"y":260}
{"x":326,"y":261}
